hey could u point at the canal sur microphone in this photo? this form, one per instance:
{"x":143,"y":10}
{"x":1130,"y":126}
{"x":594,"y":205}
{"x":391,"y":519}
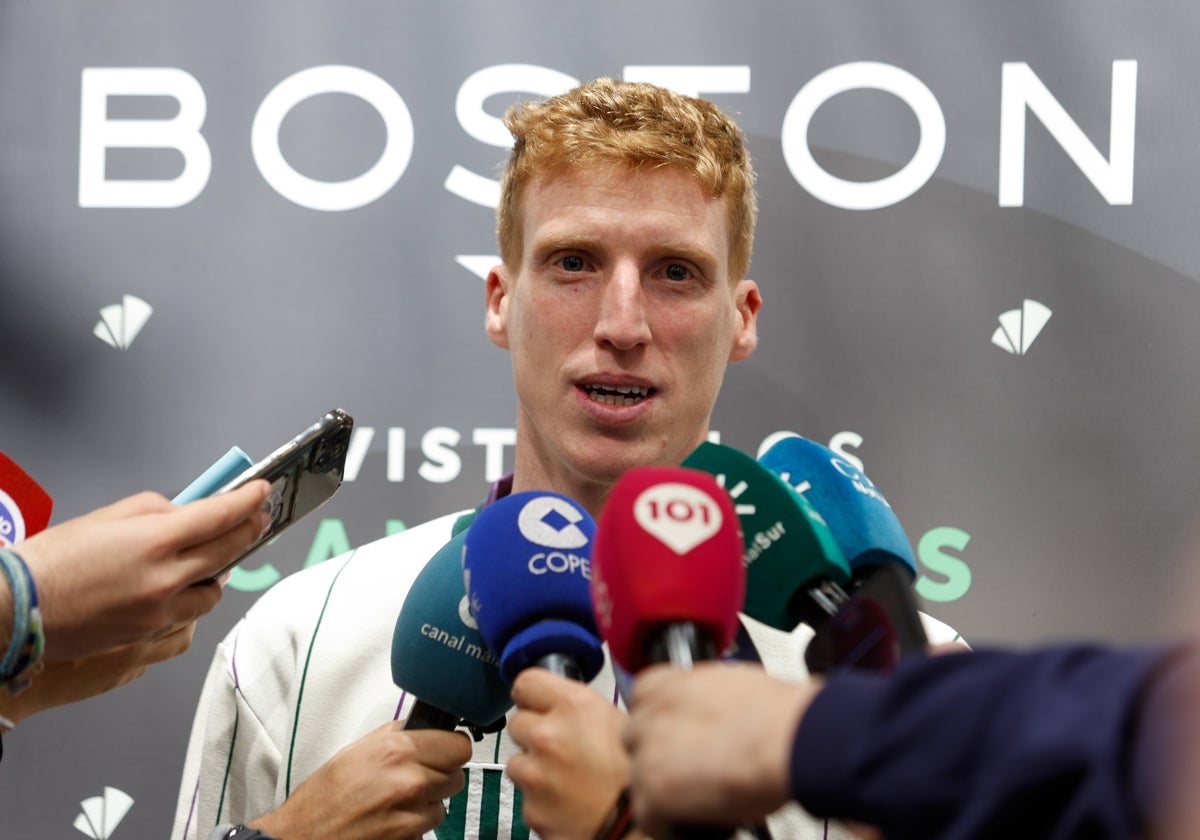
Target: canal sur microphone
{"x":795,"y":570}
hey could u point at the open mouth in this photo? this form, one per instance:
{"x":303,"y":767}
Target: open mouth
{"x":622,"y":395}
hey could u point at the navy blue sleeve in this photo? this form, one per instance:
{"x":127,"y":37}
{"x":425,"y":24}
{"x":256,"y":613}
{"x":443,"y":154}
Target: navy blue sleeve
{"x":988,"y":744}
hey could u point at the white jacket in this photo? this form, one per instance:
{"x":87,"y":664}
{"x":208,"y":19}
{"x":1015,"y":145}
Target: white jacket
{"x":308,"y":671}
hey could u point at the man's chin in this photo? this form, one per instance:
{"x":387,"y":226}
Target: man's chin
{"x":607,"y":460}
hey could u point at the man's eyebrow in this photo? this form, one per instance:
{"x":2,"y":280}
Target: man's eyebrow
{"x":687,"y":251}
{"x":566,"y":242}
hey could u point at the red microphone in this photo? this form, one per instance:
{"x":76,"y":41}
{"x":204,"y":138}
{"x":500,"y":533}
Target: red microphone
{"x":24,"y":506}
{"x":667,"y":582}
{"x":667,"y":573}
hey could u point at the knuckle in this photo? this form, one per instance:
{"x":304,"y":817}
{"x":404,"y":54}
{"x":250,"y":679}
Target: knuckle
{"x":150,"y":500}
{"x":407,"y":787}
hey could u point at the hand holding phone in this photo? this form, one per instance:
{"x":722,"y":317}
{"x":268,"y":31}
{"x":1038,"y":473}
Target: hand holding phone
{"x":304,"y":473}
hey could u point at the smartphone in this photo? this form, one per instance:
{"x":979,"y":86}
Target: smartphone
{"x":877,"y":628}
{"x":304,"y":473}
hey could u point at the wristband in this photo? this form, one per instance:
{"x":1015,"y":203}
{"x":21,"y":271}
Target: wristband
{"x":229,"y":831}
{"x":619,"y":821}
{"x":28,"y":640}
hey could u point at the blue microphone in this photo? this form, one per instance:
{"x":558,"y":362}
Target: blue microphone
{"x":438,"y":654}
{"x":527,"y":569}
{"x":881,"y":623}
{"x":862,"y":522}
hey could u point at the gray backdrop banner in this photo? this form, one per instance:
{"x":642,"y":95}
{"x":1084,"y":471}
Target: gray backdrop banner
{"x":977,"y":252}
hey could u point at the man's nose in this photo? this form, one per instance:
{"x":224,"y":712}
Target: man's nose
{"x":622,"y":321}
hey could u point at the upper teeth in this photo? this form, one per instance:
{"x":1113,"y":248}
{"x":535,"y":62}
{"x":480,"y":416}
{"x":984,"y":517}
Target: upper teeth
{"x":617,"y":394}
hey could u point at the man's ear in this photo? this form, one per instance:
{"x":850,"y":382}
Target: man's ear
{"x":496,"y":316}
{"x":745,"y":337}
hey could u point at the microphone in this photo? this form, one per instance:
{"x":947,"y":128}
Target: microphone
{"x":795,"y":570}
{"x":24,"y":506}
{"x":527,"y":569}
{"x":859,"y":516}
{"x":667,"y":576}
{"x":438,"y":655}
{"x":881,"y":624}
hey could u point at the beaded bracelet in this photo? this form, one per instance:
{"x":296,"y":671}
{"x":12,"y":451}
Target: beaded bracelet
{"x":619,"y":821}
{"x":28,"y":640}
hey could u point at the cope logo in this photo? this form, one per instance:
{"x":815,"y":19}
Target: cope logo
{"x":678,"y":515}
{"x":552,"y":522}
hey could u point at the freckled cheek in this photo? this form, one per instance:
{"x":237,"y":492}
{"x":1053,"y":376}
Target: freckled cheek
{"x":691,"y":330}
{"x":549,"y":328}
{"x":567,"y":313}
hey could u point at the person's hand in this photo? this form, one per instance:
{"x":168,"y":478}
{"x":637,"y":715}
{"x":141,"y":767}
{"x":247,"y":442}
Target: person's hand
{"x":745,"y":719}
{"x":69,"y":681}
{"x":387,"y":785}
{"x":139,"y":569}
{"x":573,"y":767}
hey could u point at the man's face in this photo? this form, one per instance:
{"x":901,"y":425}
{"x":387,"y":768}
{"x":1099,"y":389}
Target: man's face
{"x":620,"y":322}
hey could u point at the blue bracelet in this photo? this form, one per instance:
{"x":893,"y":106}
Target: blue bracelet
{"x":11,"y":568}
{"x":28,"y":641}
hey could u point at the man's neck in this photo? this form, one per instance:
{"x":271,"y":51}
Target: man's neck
{"x":588,"y":493}
{"x":591,"y":495}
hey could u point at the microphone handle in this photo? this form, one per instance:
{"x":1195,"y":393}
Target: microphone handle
{"x":422,"y":715}
{"x":683,"y":644}
{"x":563,"y":665}
{"x":816,"y":601}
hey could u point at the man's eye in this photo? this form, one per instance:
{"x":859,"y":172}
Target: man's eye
{"x":675,"y":271}
{"x":572,"y":263}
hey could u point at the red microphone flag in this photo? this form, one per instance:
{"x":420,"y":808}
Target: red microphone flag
{"x":24,"y":505}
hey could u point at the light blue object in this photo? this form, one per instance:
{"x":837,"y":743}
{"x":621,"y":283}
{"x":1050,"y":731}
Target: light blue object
{"x":228,"y":467}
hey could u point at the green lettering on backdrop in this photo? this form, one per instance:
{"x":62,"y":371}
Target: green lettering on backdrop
{"x":931,"y":555}
{"x":331,"y":540}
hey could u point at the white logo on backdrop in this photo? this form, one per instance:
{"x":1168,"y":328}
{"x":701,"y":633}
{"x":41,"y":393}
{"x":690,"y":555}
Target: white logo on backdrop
{"x":535,"y":528}
{"x":1019,"y":327}
{"x":120,"y":323}
{"x":102,"y":814}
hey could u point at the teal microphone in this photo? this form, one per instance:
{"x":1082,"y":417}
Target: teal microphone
{"x":882,"y":624}
{"x":439,"y":656}
{"x":860,"y":517}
